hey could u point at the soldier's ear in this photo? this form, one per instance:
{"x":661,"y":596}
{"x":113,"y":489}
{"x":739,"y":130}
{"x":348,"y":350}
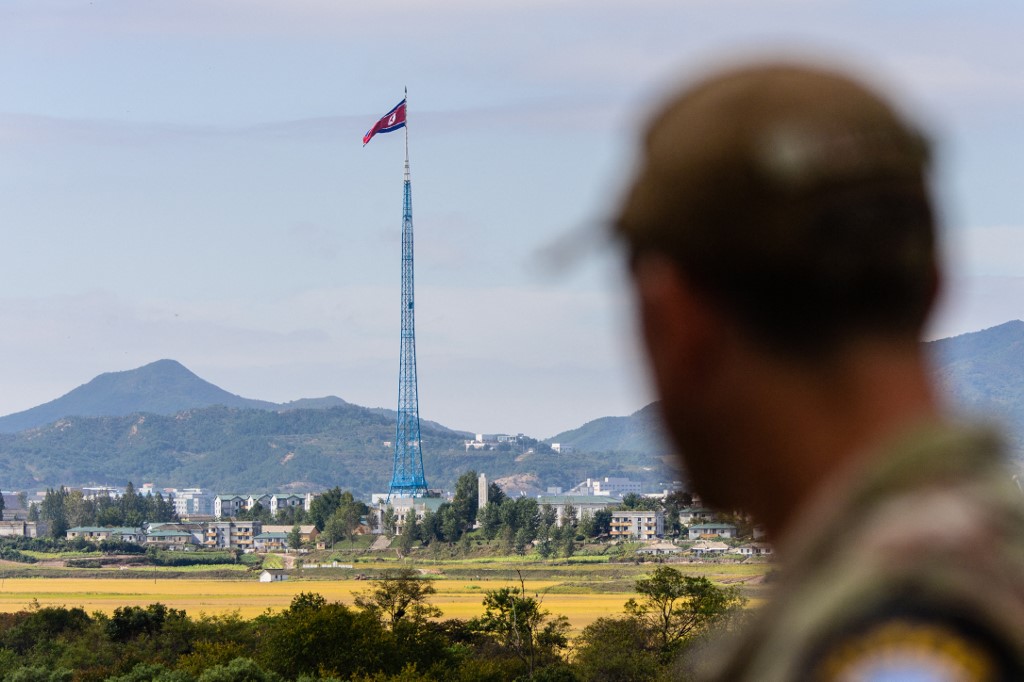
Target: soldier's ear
{"x":682,"y":332}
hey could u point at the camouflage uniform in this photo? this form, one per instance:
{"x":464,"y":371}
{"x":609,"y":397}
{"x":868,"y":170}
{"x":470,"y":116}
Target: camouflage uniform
{"x":910,"y":568}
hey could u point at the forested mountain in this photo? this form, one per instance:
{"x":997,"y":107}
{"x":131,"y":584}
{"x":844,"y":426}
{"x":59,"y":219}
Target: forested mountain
{"x":640,"y":432}
{"x":243,"y":450}
{"x":982,"y":373}
{"x":161,"y":387}
{"x":163,"y":424}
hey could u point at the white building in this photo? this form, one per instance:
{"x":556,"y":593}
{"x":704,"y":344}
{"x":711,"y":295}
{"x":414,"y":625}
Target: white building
{"x":692,"y":515}
{"x":609,"y":485}
{"x":583,"y":504}
{"x":232,"y":534}
{"x":192,"y":502}
{"x":280,"y":501}
{"x":711,"y":530}
{"x":639,"y":524}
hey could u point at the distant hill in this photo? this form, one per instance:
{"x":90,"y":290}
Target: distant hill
{"x":230,"y":450}
{"x":640,"y":432}
{"x":161,"y":387}
{"x":983,"y":374}
{"x":163,"y":424}
{"x":313,"y":403}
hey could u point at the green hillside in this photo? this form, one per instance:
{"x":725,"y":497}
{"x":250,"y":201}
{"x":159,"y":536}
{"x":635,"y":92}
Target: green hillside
{"x":640,"y":432}
{"x":982,"y":373}
{"x":241,"y":450}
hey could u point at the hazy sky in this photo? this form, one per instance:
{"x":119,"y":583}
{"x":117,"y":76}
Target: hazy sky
{"x":186,"y":180}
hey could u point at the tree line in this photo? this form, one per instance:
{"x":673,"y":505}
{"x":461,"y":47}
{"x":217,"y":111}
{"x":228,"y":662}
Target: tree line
{"x":392,"y":634}
{"x":64,"y":509}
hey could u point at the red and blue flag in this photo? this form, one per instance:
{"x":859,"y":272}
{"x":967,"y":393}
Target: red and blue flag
{"x":390,"y":122}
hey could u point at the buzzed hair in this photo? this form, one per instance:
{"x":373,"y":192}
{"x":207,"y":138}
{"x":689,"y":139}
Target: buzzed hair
{"x":794,"y":198}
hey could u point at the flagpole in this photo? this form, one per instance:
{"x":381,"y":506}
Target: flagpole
{"x":406,"y":133}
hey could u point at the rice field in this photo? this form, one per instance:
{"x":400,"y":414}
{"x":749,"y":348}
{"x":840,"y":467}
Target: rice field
{"x":248,"y":598}
{"x":581,"y":592}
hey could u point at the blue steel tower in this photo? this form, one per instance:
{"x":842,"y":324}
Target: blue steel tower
{"x":407,"y":477}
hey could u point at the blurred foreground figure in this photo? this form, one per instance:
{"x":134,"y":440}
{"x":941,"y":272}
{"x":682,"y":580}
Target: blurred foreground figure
{"x":781,"y":240}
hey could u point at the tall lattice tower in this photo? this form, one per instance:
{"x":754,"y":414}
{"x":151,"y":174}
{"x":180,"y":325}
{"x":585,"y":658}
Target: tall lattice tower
{"x":407,"y":478}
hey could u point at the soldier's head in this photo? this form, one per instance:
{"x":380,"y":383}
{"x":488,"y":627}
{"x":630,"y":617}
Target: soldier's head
{"x":793,"y":197}
{"x":790,"y":202}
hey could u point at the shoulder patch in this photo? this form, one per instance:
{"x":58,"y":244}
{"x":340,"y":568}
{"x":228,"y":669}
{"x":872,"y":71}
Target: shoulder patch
{"x":913,"y":645}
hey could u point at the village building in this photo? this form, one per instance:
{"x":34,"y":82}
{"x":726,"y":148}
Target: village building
{"x":711,"y":530}
{"x":583,"y":504}
{"x":639,"y":524}
{"x":272,"y":575}
{"x":99,"y":534}
{"x":232,"y":534}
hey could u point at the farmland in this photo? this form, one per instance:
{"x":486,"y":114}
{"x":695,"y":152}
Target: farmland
{"x":582,"y":591}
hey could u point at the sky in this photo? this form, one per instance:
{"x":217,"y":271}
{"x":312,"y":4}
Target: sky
{"x":186,"y":180}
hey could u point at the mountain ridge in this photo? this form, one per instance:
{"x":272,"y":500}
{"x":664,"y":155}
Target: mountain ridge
{"x":327,"y":441}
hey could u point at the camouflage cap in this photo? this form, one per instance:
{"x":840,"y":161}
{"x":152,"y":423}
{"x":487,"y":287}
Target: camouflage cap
{"x":791,"y":180}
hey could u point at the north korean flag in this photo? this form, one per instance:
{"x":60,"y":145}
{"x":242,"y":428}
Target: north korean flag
{"x":390,"y":122}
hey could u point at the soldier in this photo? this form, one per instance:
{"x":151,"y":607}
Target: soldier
{"x":782,"y":249}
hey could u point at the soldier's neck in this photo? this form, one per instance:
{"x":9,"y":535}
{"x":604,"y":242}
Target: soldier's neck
{"x":814,"y":425}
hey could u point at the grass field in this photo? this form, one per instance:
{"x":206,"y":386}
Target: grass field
{"x":457,"y":599}
{"x":581,"y":591}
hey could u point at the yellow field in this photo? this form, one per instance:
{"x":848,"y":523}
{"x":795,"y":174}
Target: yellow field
{"x":457,"y":599}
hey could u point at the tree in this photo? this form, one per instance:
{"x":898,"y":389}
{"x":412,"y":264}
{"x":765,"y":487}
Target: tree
{"x":410,"y":532}
{"x":567,"y":541}
{"x":602,"y":522}
{"x":548,"y":515}
{"x":399,"y":595}
{"x":677,"y":607}
{"x":346,"y":518}
{"x":522,"y":626}
{"x":53,"y":509}
{"x":1,"y":505}
{"x":495,"y":494}
{"x":466,"y":501}
{"x":451,"y":526}
{"x":587,"y":526}
{"x":639,"y":502}
{"x":544,"y":545}
{"x":389,"y":520}
{"x":430,"y":527}
{"x":616,"y":650}
{"x":490,"y":521}
{"x":569,"y":516}
{"x":255,"y":513}
{"x":314,"y":637}
{"x":295,"y":537}
{"x":323,"y":506}
{"x":521,"y":540}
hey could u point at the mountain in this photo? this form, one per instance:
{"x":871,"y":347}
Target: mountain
{"x":313,"y":403}
{"x":163,"y":424}
{"x":982,"y":373}
{"x":640,"y":432}
{"x":231,"y":450}
{"x":161,"y":387}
